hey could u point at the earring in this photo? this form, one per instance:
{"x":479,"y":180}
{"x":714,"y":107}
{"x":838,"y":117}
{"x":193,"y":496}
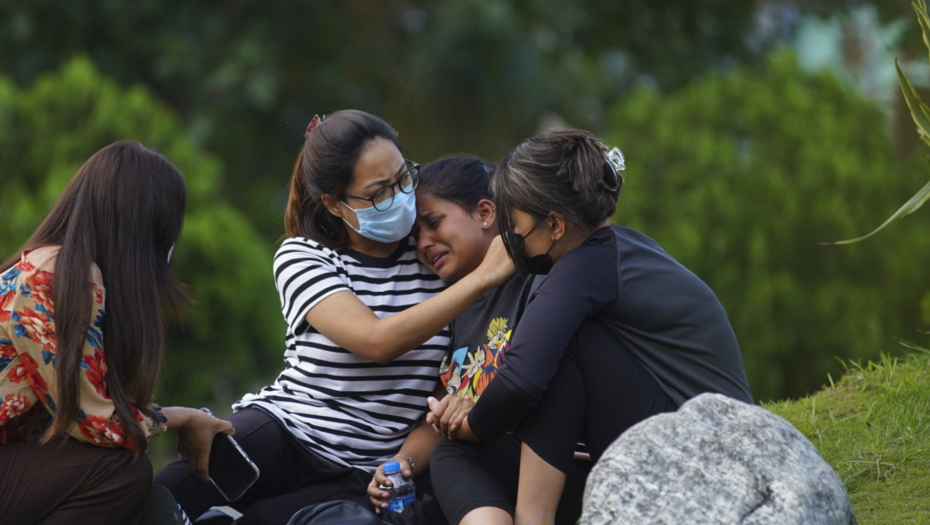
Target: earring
{"x":484,"y":224}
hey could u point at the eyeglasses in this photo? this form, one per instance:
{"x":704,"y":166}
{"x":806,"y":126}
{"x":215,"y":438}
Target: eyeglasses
{"x":384,"y":197}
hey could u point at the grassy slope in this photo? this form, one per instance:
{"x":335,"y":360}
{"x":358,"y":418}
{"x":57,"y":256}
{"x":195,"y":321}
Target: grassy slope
{"x":873,"y":427}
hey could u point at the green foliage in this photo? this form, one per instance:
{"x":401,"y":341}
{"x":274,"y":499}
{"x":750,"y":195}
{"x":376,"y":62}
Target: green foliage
{"x":740,"y":176}
{"x":872,"y":428}
{"x":920,"y":112}
{"x":231,"y":338}
{"x":451,"y":75}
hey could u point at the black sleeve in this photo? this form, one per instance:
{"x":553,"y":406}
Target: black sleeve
{"x":580,"y":285}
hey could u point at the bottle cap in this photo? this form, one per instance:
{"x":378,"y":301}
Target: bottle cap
{"x":392,"y":467}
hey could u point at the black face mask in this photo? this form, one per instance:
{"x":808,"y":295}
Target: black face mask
{"x":537,"y":264}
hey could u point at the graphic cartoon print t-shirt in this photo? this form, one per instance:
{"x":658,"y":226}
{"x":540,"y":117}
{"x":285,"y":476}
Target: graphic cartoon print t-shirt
{"x":480,"y":338}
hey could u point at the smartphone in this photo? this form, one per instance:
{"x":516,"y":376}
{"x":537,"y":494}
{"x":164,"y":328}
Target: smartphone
{"x":231,"y":471}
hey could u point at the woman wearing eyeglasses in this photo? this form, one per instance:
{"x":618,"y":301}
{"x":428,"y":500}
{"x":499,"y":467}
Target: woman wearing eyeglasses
{"x":366,"y":331}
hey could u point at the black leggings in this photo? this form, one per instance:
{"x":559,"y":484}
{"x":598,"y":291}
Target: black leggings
{"x":292,"y":477}
{"x":598,"y":392}
{"x":467,"y":476}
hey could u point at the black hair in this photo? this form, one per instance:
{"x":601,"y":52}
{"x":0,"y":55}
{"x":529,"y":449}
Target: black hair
{"x":461,"y":179}
{"x":566,"y":173}
{"x":325,"y":166}
{"x":122,"y":211}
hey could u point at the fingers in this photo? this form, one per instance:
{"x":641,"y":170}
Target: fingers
{"x":377,"y":504}
{"x":200,"y":465}
{"x":200,"y":460}
{"x":444,"y":423}
{"x":377,"y":496}
{"x":497,"y":262}
{"x":455,"y":415}
{"x":458,"y":416}
{"x":446,"y":415}
{"x":437,"y":408}
{"x":433,"y":420}
{"x":226,"y":427}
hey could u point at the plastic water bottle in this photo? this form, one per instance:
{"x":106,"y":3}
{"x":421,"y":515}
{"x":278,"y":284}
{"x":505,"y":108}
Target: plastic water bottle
{"x":403,"y":492}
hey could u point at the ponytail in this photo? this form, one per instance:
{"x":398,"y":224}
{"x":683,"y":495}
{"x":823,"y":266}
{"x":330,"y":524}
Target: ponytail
{"x":295,"y":200}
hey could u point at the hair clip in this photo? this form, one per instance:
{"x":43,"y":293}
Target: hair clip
{"x":618,"y":164}
{"x":313,"y":123}
{"x":615,"y":156}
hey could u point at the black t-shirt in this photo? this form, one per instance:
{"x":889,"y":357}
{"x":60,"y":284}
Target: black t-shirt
{"x":480,"y":338}
{"x":657,"y":309}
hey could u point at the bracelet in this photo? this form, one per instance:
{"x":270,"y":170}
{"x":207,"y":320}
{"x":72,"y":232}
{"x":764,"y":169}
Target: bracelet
{"x":413,"y":465}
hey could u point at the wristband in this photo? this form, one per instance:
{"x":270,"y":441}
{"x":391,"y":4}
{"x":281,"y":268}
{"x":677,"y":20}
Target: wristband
{"x":413,"y":465}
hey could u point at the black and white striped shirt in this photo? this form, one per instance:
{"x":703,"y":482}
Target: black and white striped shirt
{"x":344,"y":407}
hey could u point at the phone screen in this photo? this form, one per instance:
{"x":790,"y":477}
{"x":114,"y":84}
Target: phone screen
{"x":231,"y":470}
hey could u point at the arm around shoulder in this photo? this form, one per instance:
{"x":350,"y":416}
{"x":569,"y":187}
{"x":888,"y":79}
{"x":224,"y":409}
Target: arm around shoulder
{"x":348,"y":322}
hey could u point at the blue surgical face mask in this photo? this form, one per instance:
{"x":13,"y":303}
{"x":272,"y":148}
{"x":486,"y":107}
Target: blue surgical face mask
{"x":390,"y":225}
{"x":170,"y":251}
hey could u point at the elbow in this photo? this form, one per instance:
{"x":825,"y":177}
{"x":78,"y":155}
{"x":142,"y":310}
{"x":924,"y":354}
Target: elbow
{"x":381,"y":358}
{"x":380,"y":343}
{"x":385,"y":354}
{"x":380,"y":351}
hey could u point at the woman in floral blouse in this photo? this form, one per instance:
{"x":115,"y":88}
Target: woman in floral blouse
{"x":81,"y":338}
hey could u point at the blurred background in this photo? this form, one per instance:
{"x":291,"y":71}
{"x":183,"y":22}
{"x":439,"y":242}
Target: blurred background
{"x":753,"y":130}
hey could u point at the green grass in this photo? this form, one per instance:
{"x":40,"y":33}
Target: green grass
{"x":873,"y":428}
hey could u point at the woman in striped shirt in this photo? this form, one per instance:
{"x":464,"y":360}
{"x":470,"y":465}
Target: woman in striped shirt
{"x":366,"y":329}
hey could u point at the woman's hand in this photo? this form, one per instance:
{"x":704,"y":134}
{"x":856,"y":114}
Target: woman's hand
{"x":195,"y":430}
{"x":496,"y":265}
{"x":376,"y":494}
{"x":448,"y":414}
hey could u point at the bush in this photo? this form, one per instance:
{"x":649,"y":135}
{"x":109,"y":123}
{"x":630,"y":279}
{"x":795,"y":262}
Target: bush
{"x":232,"y":339}
{"x":741,"y":175}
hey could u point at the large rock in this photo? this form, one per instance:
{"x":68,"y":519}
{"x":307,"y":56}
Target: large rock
{"x":715,"y":460}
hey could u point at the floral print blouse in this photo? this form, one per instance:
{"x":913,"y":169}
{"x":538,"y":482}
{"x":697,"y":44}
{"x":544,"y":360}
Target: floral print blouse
{"x":28,"y":381}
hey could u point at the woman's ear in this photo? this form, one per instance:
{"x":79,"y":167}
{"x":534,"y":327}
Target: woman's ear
{"x":332,"y":205}
{"x":556,"y":226}
{"x":487,"y":213}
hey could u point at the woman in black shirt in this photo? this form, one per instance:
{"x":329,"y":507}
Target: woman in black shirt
{"x":616,"y":332}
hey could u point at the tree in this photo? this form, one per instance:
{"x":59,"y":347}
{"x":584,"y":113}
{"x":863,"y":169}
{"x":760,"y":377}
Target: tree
{"x":451,"y":75}
{"x":231,"y":340}
{"x":740,"y":176}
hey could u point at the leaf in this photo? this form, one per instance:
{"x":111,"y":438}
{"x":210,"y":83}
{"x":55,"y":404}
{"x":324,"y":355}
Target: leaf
{"x":909,"y":207}
{"x":919,"y":111}
{"x":920,"y":7}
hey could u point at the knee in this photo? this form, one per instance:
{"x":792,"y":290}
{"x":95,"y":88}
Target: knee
{"x":446,"y":450}
{"x":172,"y":474}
